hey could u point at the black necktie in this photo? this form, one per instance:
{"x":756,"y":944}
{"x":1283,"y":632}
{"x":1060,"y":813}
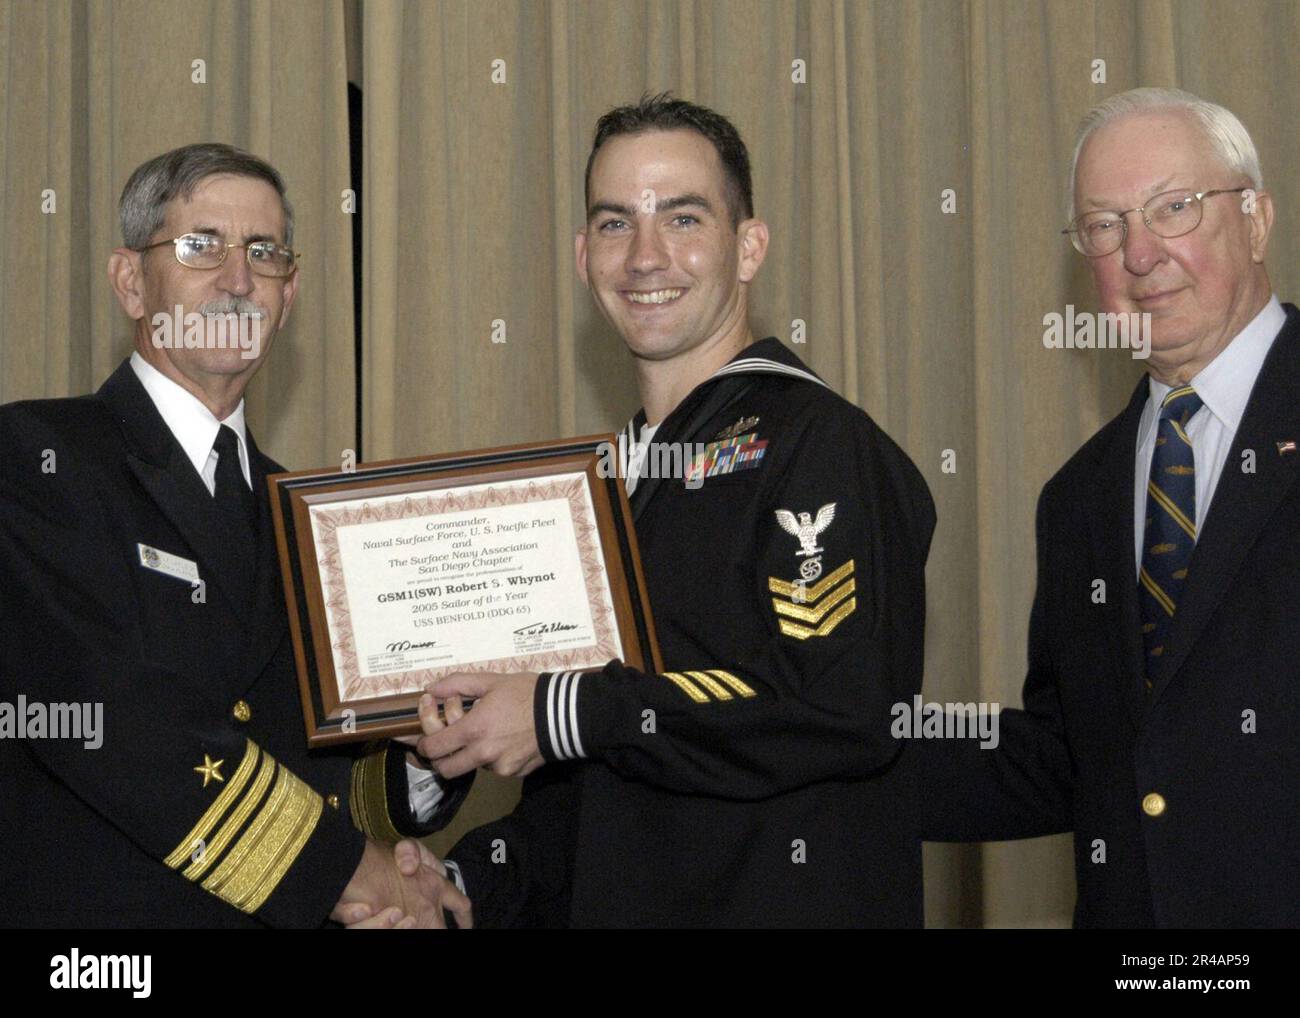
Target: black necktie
{"x":232,"y":492}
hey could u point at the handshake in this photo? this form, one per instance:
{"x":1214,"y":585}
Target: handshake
{"x":411,"y":888}
{"x":407,"y":889}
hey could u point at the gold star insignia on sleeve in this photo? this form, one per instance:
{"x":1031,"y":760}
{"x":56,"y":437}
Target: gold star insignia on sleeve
{"x":252,"y":831}
{"x":210,"y":769}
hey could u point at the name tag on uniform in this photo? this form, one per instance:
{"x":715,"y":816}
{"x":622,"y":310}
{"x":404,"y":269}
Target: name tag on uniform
{"x":169,"y":564}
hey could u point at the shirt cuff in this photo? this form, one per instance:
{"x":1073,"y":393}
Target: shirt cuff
{"x":424,"y":792}
{"x":453,"y":870}
{"x":555,"y":714}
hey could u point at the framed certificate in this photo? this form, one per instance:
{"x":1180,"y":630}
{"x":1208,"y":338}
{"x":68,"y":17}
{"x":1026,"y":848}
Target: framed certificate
{"x":504,"y":560}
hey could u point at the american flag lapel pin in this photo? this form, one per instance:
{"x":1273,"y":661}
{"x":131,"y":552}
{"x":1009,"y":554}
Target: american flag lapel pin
{"x":1286,"y":448}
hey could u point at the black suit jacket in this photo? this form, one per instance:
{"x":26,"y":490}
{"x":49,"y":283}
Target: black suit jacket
{"x":129,"y":834}
{"x":1216,"y":738}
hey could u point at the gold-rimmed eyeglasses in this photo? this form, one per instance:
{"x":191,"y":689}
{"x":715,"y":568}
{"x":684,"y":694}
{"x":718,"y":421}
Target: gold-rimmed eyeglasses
{"x":1169,"y":214}
{"x":204,"y":251}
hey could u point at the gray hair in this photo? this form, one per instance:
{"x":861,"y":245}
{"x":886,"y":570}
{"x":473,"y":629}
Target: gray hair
{"x":175,"y":174}
{"x":1228,"y":135}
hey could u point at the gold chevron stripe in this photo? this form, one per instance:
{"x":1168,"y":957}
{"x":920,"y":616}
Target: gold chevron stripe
{"x":836,"y":617}
{"x":369,"y":799}
{"x":1155,"y":591}
{"x":200,"y":831}
{"x":811,"y":615}
{"x":1181,"y":433}
{"x":711,"y":684}
{"x":687,"y":686}
{"x":1174,"y":394}
{"x":234,"y":822}
{"x":733,"y":682}
{"x":810,"y":594}
{"x":260,"y":858}
{"x":1169,"y":506}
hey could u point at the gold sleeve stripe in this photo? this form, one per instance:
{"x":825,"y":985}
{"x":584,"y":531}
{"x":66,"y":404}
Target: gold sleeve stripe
{"x":198,"y":834}
{"x":214,"y":850}
{"x":268,"y":847}
{"x":711,"y":684}
{"x":369,"y":798}
{"x":836,"y":617}
{"x":688,"y":687}
{"x":286,"y":840}
{"x":805,"y":613}
{"x":812,"y":593}
{"x":733,"y":682}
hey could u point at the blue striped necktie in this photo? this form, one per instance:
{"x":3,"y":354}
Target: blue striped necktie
{"x":1170,"y":534}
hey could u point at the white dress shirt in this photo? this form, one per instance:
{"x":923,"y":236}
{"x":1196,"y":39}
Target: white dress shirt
{"x":1224,"y":386}
{"x":191,"y":423}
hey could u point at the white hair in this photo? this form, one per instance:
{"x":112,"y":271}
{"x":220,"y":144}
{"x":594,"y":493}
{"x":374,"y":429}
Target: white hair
{"x":1227,"y":134}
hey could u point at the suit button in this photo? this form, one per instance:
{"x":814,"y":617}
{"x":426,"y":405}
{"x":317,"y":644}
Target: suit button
{"x":333,"y":800}
{"x":1153,"y":805}
{"x":242,"y":712}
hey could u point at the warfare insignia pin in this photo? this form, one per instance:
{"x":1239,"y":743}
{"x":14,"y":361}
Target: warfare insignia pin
{"x":739,"y":428}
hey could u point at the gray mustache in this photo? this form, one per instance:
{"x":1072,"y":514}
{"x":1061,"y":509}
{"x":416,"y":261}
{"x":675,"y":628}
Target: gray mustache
{"x":232,"y":306}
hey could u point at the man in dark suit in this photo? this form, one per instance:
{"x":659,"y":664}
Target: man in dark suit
{"x":1163,"y":695}
{"x":139,"y":587}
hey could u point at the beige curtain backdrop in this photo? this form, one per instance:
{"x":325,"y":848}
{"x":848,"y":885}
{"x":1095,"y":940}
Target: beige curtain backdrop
{"x":932,"y":321}
{"x":88,"y":91}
